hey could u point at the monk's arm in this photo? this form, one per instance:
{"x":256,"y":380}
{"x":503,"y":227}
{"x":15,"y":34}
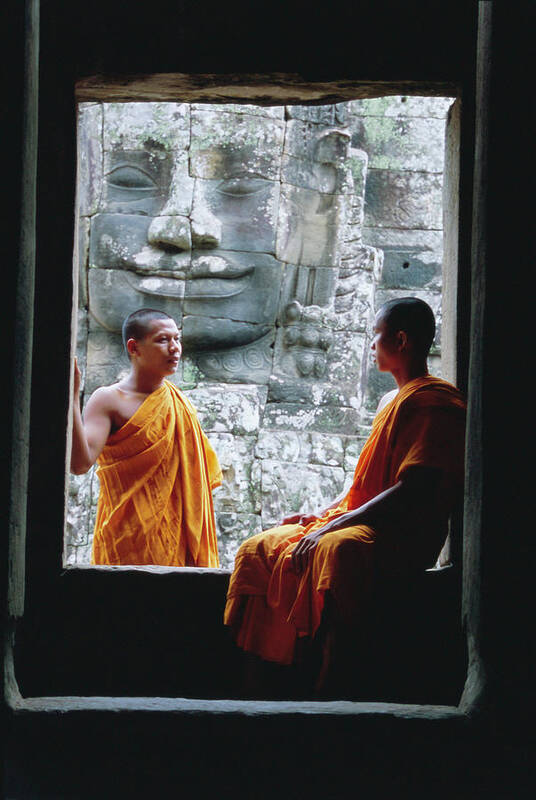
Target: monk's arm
{"x":395,"y":506}
{"x":305,"y":519}
{"x":90,"y":433}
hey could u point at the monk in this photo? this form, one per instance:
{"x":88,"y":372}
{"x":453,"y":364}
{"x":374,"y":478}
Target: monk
{"x":393,"y":519}
{"x":156,"y":467}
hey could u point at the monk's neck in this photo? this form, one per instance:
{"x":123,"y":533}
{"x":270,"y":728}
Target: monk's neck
{"x":410,"y":372}
{"x":142,"y":382}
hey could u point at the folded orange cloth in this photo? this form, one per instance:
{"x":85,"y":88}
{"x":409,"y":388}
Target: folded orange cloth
{"x":156,"y":474}
{"x":269,"y":605}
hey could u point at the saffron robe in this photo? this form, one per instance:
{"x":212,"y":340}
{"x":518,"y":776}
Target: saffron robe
{"x":156,"y":474}
{"x":269,"y":605}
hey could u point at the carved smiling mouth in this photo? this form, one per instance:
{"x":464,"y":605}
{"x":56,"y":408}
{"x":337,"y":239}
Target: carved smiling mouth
{"x":207,"y":276}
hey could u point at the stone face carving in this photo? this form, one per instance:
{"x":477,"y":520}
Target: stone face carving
{"x":187,"y":223}
{"x":218,"y":217}
{"x":245,"y":225}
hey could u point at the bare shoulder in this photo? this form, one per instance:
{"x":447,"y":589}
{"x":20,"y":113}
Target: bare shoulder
{"x":386,"y":399}
{"x":104,"y":399}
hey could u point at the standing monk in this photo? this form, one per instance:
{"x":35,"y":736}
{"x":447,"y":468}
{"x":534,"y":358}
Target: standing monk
{"x":155,"y":465}
{"x":393,"y":518}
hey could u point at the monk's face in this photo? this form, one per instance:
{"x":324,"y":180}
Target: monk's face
{"x":384,"y":345}
{"x":160,"y":349}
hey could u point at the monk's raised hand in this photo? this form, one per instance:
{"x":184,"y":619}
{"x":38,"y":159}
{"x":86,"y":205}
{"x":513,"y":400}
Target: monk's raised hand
{"x":304,"y":551}
{"x":77,"y":378}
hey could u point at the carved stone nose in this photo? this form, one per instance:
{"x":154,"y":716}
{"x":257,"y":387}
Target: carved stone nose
{"x":170,"y":233}
{"x":206,"y":228}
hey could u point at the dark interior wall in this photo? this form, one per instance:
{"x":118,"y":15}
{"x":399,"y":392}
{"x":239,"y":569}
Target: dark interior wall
{"x":377,"y":41}
{"x":501,"y":342}
{"x":75,"y":44}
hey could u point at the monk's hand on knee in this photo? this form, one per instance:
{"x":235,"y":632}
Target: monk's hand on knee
{"x":304,"y":551}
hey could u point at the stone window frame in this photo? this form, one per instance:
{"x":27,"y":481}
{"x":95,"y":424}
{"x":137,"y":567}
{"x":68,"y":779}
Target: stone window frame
{"x":98,"y":90}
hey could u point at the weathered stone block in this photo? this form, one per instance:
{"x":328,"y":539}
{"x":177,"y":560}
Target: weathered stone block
{"x":429,"y":240}
{"x":310,"y":286}
{"x":78,"y":509}
{"x":327,"y":178}
{"x":188,"y":375}
{"x":309,"y":226}
{"x":89,"y":179}
{"x":273,"y":112}
{"x":288,"y":488}
{"x":352,"y":451}
{"x":401,"y":143}
{"x":130,"y":292}
{"x":410,"y":267}
{"x":76,"y":555}
{"x":250,"y":363}
{"x":146,"y":126}
{"x":403,"y":200}
{"x":107,"y":361}
{"x":301,"y":447}
{"x":80,"y":518}
{"x":354,"y":296}
{"x":226,"y":145}
{"x":316,"y":143}
{"x":302,"y":417}
{"x":355,"y":215}
{"x":121,"y":241}
{"x":230,"y":409}
{"x":136,"y":181}
{"x":285,"y":389}
{"x":358,"y":164}
{"x":240,"y":489}
{"x":401,"y":106}
{"x":303,"y":342}
{"x":288,"y":446}
{"x":81,"y":345}
{"x":335,"y":114}
{"x":246,"y":208}
{"x":422,"y":250}
{"x":83,"y":256}
{"x":327,"y":449}
{"x":347,"y":362}
{"x":233,"y":529}
{"x":234,"y":286}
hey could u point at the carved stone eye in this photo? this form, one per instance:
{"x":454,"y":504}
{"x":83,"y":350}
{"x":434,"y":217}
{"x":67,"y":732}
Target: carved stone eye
{"x":129,"y":177}
{"x":243,"y":185}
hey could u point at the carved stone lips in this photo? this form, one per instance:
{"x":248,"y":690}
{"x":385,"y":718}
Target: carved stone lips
{"x":207,"y":276}
{"x":212,"y":266}
{"x":200,"y":288}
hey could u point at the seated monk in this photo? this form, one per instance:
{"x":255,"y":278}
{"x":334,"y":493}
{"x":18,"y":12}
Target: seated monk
{"x":156,"y":467}
{"x":393,"y":519}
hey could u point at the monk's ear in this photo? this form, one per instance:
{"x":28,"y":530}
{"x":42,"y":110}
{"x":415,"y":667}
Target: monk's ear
{"x":132,"y":347}
{"x":402,"y":340}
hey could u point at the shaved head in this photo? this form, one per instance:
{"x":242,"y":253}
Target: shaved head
{"x":138,"y":324}
{"x":413,"y":316}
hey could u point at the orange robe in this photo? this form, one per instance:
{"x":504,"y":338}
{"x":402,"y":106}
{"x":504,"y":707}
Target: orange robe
{"x":156,"y":474}
{"x":269,"y":605}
